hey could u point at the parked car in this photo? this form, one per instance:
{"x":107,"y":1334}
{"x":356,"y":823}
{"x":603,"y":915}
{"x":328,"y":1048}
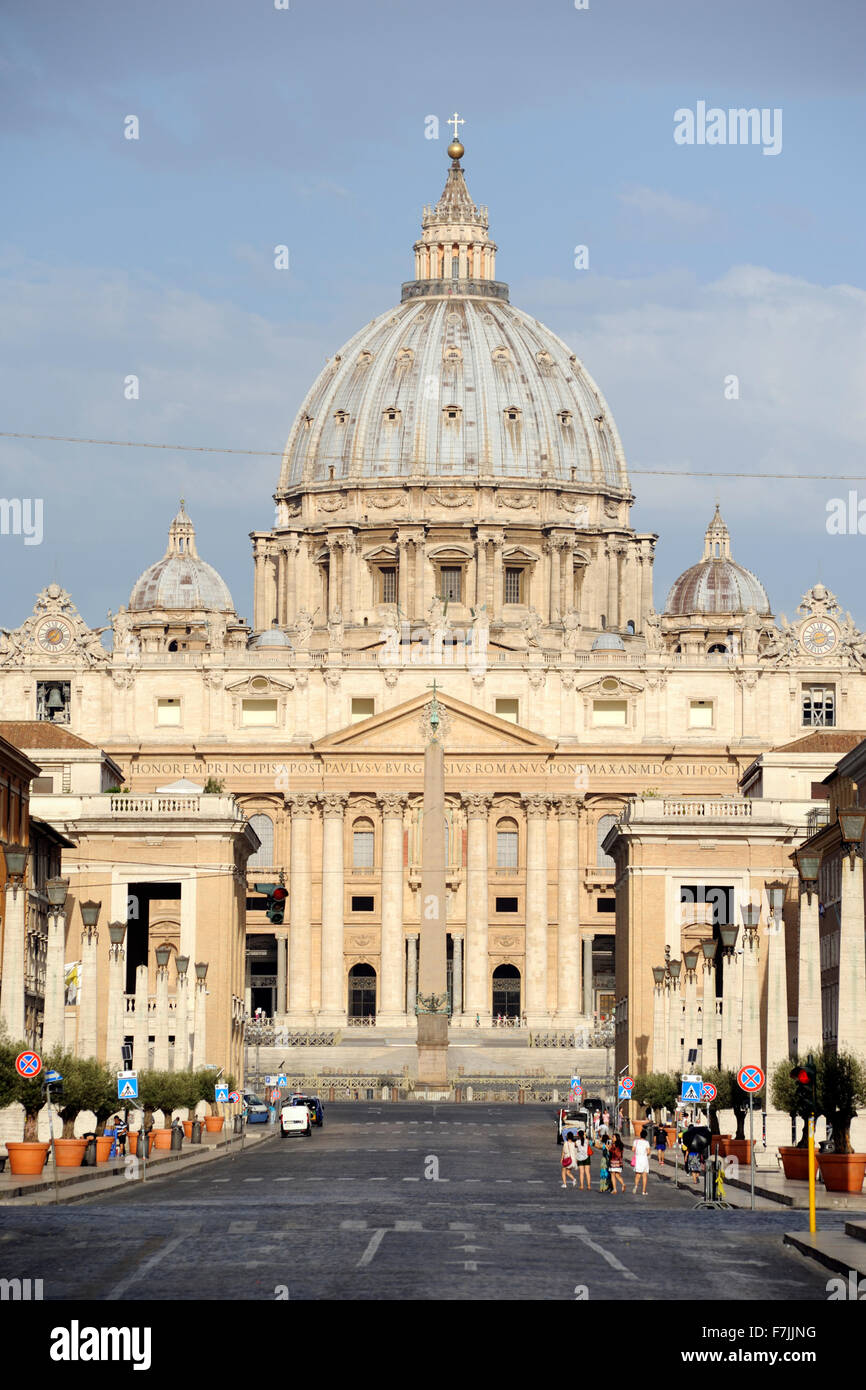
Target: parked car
{"x":257,"y":1111}
{"x":571,"y":1117}
{"x":314,"y":1105}
{"x":295,"y":1119}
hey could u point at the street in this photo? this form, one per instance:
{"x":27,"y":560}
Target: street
{"x":404,"y":1202}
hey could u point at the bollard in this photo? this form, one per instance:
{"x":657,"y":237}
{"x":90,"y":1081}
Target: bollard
{"x":89,"y":1159}
{"x":238,"y":1124}
{"x":195,"y":1136}
{"x":521,"y":1096}
{"x":176,"y":1137}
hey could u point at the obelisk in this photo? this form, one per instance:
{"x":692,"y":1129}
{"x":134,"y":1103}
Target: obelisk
{"x":432,"y":1006}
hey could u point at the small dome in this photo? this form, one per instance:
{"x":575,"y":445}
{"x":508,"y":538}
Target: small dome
{"x":272,"y":637}
{"x":608,"y":642}
{"x":717,"y":584}
{"x":181,"y":580}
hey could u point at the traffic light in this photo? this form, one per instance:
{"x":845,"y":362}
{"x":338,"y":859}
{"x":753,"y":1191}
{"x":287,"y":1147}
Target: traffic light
{"x":804,"y":1075}
{"x":276,"y":895}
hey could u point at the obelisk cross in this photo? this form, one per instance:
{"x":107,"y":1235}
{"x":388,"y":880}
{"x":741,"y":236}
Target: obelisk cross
{"x":455,"y":120}
{"x":434,"y":711}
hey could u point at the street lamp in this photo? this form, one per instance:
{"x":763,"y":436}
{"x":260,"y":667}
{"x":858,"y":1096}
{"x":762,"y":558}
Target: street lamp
{"x":751,"y":913}
{"x":851,"y":821}
{"x":201,"y":970}
{"x":674,"y":968}
{"x":90,"y":913}
{"x":690,"y":960}
{"x":116,"y":932}
{"x":808,"y":867}
{"x":182,"y":963}
{"x":162,"y":954}
{"x":56,"y":890}
{"x":15,"y":856}
{"x":659,"y":972}
{"x":729,"y":936}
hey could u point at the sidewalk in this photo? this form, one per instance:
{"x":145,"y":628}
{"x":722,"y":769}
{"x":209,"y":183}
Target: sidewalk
{"x":75,"y":1184}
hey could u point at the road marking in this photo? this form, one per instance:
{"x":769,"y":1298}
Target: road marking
{"x":275,"y":1180}
{"x":378,"y":1179}
{"x":345,"y":1179}
{"x":473,"y":1179}
{"x":499,"y":1180}
{"x":120,"y":1289}
{"x":464,"y":1226}
{"x":518,"y":1226}
{"x":220,"y":1179}
{"x":612,"y":1260}
{"x":237,"y":1227}
{"x":370,"y":1252}
{"x":535,"y":1182}
{"x":631,"y":1231}
{"x":411,"y":1179}
{"x":408,"y":1226}
{"x":353,"y":1225}
{"x":253,"y":1179}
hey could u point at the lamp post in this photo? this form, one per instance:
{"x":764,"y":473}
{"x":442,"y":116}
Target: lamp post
{"x":87,"y":1007}
{"x":675,"y":1017}
{"x":160,"y":1027}
{"x":690,"y":1030}
{"x":778,"y":1043}
{"x":851,"y":1027}
{"x":750,"y":1020}
{"x":181,"y":1015}
{"x":199,"y":1042}
{"x":810,"y":1034}
{"x":659,"y":1041}
{"x":14,"y":938}
{"x":54,"y":1015}
{"x":709,"y":1035}
{"x":116,"y":1029}
{"x":731,"y":1003}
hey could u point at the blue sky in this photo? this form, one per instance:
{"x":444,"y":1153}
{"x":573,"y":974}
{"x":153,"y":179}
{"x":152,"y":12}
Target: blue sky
{"x":306,"y":127}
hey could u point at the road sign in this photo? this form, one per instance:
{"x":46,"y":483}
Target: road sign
{"x":221,"y":1093}
{"x":575,"y":1082}
{"x":709,"y":1091}
{"x":276,"y":1096}
{"x":750,"y":1079}
{"x":53,"y":1077}
{"x":281,"y":1079}
{"x":693,"y":1089}
{"x":234,"y":1097}
{"x":127,"y":1086}
{"x":270,"y":1081}
{"x":28,"y":1064}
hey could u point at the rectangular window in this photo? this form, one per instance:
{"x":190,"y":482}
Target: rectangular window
{"x":362,"y":708}
{"x":508,"y":709}
{"x":506,"y":904}
{"x":362,"y":849}
{"x":700,"y":714}
{"x":605,"y":905}
{"x":610,"y":714}
{"x":506,"y":849}
{"x":362,"y":903}
{"x":513,"y":585}
{"x":819,"y":706}
{"x":450,"y":583}
{"x":168,"y":711}
{"x":389,"y":584}
{"x":256,"y":713}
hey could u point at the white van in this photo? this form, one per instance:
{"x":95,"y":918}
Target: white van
{"x":295,"y":1119}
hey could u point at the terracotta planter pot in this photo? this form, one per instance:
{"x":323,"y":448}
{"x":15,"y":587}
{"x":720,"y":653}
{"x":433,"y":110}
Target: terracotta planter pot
{"x":795,"y":1162}
{"x":717,"y":1144}
{"x":187,"y":1128}
{"x":740,"y":1149}
{"x":133,"y":1141}
{"x":162,"y":1138}
{"x":69,"y":1152}
{"x":214,"y":1123}
{"x":26,"y":1157}
{"x":103,"y":1147}
{"x":842,"y":1172}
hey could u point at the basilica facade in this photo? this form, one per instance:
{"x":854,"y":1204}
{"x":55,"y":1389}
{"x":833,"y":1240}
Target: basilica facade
{"x":453,"y":506}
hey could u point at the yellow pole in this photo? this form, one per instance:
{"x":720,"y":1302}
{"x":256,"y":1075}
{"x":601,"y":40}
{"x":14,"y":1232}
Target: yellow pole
{"x":812,"y":1222}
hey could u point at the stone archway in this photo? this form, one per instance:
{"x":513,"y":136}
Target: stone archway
{"x":362,"y":991}
{"x":506,"y":991}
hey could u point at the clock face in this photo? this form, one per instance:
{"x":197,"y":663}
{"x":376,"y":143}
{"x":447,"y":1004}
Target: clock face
{"x":819,"y":637}
{"x":54,"y":635}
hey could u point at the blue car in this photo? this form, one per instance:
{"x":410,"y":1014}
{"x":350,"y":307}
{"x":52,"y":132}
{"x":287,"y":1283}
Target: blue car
{"x":257,"y":1111}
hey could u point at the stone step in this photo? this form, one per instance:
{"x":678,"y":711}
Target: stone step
{"x":856,"y":1230}
{"x":833,"y":1249}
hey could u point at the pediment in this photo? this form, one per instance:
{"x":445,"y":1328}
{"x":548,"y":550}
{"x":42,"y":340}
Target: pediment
{"x":260,"y":685}
{"x":469,"y":729}
{"x":610,"y":687}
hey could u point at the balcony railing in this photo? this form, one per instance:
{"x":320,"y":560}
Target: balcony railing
{"x":817,"y":818}
{"x":155,"y":805}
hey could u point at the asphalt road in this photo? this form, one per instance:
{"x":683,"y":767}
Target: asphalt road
{"x":405,"y":1202}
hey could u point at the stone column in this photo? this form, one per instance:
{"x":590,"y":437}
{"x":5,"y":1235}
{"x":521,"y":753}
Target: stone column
{"x":659,"y":1052}
{"x":282,"y":941}
{"x":260,"y":598}
{"x":420,"y":560}
{"x":54,"y":1017}
{"x":412,"y":973}
{"x":160,"y":1022}
{"x":391,"y":1014}
{"x":566,"y":578}
{"x":87,"y":1007}
{"x":778,"y":1049}
{"x":332,"y":1013}
{"x":568,"y":1001}
{"x":282,"y":586}
{"x":481,"y":574}
{"x":498,"y":544}
{"x":709,"y":1035}
{"x":612,"y":614}
{"x":402,"y":577}
{"x":750,"y":1036}
{"x":537,"y":1010}
{"x":14,"y":938}
{"x":182,"y":1058}
{"x":292,"y":580}
{"x":457,"y":977}
{"x":810,"y":1032}
{"x":587,"y":976}
{"x":553,"y":550}
{"x":690,"y":1016}
{"x":731,"y":1008}
{"x":851,"y":1026}
{"x":300,"y":908}
{"x":477,"y":806}
{"x":141,"y":1022}
{"x":333,"y":591}
{"x":199,"y":1042}
{"x":116,"y":1028}
{"x":348,"y":599}
{"x":675,"y":1029}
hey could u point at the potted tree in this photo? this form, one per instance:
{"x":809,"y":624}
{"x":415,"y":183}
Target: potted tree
{"x":86,"y":1086}
{"x":159,"y":1090}
{"x":784,"y":1095}
{"x":658,"y":1090}
{"x":722,"y":1082}
{"x":27,"y":1155}
{"x":739,"y":1147}
{"x":205,"y":1083}
{"x":187,"y":1097}
{"x":841,"y":1085}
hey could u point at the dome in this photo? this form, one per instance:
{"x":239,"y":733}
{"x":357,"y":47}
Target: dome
{"x":181,"y":580}
{"x":271,"y":637}
{"x":717,"y":584}
{"x":608,"y":642}
{"x":454,"y":382}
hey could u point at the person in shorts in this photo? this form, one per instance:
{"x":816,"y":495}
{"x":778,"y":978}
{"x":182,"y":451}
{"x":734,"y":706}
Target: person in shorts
{"x":568,"y":1158}
{"x":661,"y":1143}
{"x":615,"y":1164}
{"x":583,"y":1155}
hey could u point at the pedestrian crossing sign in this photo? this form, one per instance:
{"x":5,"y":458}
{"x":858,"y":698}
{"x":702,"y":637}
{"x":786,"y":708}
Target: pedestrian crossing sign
{"x":127,"y":1088}
{"x":693,"y":1089}
{"x":221,"y":1093}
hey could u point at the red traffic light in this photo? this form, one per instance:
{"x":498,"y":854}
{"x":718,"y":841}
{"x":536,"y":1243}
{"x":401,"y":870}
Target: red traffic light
{"x":803,"y":1076}
{"x":280,"y":894}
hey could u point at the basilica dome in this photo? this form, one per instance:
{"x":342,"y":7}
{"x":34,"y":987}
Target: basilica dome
{"x":454,"y":382}
{"x":181,"y":581}
{"x":717,"y":584}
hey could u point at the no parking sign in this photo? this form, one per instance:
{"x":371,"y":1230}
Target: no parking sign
{"x":28,"y":1064}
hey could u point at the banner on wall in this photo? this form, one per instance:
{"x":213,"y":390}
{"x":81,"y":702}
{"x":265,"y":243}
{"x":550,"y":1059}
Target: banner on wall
{"x":72,"y":981}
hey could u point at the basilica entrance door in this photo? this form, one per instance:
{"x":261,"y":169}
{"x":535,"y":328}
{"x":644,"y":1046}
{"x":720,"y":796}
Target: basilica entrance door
{"x":506,"y":991}
{"x":362,"y":991}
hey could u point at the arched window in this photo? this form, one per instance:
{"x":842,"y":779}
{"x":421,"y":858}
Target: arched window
{"x":506,"y":844}
{"x":363,"y":843}
{"x":603,"y":860}
{"x":717,"y":649}
{"x":264,"y":856}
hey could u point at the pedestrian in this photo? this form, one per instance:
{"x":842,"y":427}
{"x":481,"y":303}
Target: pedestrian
{"x":615,"y":1164}
{"x":121,"y":1134}
{"x":477,"y":1020}
{"x":568,"y":1158}
{"x":640,"y":1161}
{"x":661,"y":1144}
{"x":604,"y":1170}
{"x":583,"y":1154}
{"x":606,"y":1116}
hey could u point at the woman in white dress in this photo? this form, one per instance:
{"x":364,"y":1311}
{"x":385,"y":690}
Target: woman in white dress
{"x":641,"y":1153}
{"x":568,"y":1160}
